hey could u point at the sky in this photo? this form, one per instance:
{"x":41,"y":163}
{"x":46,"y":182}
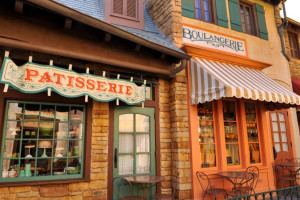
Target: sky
{"x":293,"y":9}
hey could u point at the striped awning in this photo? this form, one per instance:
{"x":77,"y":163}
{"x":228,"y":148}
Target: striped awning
{"x":212,"y":80}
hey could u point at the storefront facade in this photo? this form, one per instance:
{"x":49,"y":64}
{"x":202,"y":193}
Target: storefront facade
{"x":83,"y":101}
{"x":236,"y":72}
{"x":236,"y":54}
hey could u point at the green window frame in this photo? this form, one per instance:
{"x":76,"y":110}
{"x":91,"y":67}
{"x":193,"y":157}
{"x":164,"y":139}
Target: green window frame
{"x":42,"y":141}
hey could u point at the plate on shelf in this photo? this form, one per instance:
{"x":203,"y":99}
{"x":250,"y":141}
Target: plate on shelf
{"x":58,"y":173}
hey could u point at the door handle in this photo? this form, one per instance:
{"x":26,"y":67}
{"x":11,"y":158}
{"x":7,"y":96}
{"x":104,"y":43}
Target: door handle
{"x":116,"y":158}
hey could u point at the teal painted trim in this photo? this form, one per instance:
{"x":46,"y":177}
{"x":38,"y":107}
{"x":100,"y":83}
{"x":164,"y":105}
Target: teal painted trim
{"x":222,"y":19}
{"x":35,"y":158}
{"x":188,"y":8}
{"x":235,"y":19}
{"x":74,"y":96}
{"x":261,"y":20}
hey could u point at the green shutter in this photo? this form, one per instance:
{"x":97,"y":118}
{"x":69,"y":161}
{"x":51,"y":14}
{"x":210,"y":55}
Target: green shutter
{"x":261,"y":20}
{"x":235,"y":19}
{"x":188,"y":8}
{"x":222,"y":19}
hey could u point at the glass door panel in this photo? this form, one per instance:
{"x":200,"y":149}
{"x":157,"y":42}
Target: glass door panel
{"x":231,"y":133}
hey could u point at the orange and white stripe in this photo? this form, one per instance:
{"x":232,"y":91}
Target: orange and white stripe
{"x":212,"y":80}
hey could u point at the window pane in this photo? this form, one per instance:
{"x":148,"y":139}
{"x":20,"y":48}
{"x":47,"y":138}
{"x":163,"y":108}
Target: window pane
{"x":250,"y":112}
{"x":75,"y":147}
{"x":32,"y":112}
{"x":229,"y":110}
{"x":61,"y":148}
{"x":62,"y":130}
{"x":76,"y":114}
{"x":142,"y":123}
{"x":198,"y":14}
{"x":281,"y":117}
{"x":12,"y":149}
{"x":62,"y":113}
{"x":207,"y":16}
{"x":283,"y":137}
{"x":275,"y":126}
{"x":232,"y":154}
{"x":276,"y":137}
{"x":47,"y":113}
{"x":198,"y":3}
{"x":10,"y":168}
{"x":282,"y":127}
{"x":143,"y":163}
{"x":15,"y":111}
{"x":43,"y":166}
{"x":274,"y":116}
{"x":126,"y":123}
{"x":142,"y":143}
{"x":207,"y":155}
{"x":231,"y":132}
{"x":125,"y":164}
{"x":75,"y":131}
{"x":13,"y":130}
{"x":206,"y":135}
{"x":59,"y":166}
{"x":126,"y":143}
{"x":254,"y":153}
{"x":74,"y":166}
{"x":278,"y":147}
{"x":206,"y":5}
{"x":285,"y":147}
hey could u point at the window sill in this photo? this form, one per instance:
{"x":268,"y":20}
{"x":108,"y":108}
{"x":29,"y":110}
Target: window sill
{"x":46,"y":182}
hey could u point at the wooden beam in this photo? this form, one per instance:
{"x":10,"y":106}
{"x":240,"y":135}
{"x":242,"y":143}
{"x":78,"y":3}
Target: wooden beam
{"x":19,"y":4}
{"x":137,"y":48}
{"x":68,"y":23}
{"x":163,"y":56}
{"x":107,"y":37}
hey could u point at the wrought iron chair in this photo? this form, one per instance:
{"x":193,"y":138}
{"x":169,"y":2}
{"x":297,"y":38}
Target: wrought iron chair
{"x":250,"y":185}
{"x":242,"y":186}
{"x":207,"y":188}
{"x":166,"y":196}
{"x":118,"y":184}
{"x":282,"y":176}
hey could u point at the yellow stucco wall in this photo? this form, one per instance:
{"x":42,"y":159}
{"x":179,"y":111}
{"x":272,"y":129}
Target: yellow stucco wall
{"x":258,"y":49}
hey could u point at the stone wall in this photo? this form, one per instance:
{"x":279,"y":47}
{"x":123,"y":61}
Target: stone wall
{"x":167,"y":16}
{"x":294,"y":63}
{"x":92,"y":190}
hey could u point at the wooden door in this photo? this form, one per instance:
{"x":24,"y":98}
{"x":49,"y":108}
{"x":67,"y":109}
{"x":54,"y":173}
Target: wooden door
{"x":134,"y":143}
{"x":282,"y":145}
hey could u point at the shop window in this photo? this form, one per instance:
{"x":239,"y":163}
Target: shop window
{"x":294,"y":45}
{"x":42,"y":142}
{"x":231,"y":133}
{"x":206,"y":135}
{"x":252,"y":131}
{"x":204,"y":10}
{"x":279,"y":129}
{"x":247,"y":18}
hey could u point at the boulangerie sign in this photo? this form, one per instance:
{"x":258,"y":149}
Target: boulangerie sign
{"x":209,"y":39}
{"x":34,"y":78}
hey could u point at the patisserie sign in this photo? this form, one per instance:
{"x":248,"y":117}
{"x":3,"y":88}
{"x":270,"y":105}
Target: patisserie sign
{"x":204,"y":38}
{"x":34,"y":78}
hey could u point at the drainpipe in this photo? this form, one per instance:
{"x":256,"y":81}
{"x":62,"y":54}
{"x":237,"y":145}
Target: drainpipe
{"x":281,"y":29}
{"x":179,"y":69}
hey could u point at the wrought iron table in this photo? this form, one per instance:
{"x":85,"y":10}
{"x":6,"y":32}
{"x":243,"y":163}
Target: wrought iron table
{"x":145,"y":183}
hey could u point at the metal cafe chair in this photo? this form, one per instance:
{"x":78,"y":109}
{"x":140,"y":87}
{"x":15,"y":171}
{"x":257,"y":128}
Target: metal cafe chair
{"x":206,"y":186}
{"x":242,"y":186}
{"x":125,"y":194}
{"x":166,"y":196}
{"x":282,"y":176}
{"x":250,"y":184}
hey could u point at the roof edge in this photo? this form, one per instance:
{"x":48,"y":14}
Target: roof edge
{"x":83,"y":18}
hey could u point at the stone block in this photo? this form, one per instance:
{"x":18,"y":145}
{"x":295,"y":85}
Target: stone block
{"x":54,"y":191}
{"x":3,"y":190}
{"x":98,"y":176}
{"x":98,"y":184}
{"x":28,"y":194}
{"x":19,"y":189}
{"x":99,"y":157}
{"x":7,"y":196}
{"x":75,"y":187}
